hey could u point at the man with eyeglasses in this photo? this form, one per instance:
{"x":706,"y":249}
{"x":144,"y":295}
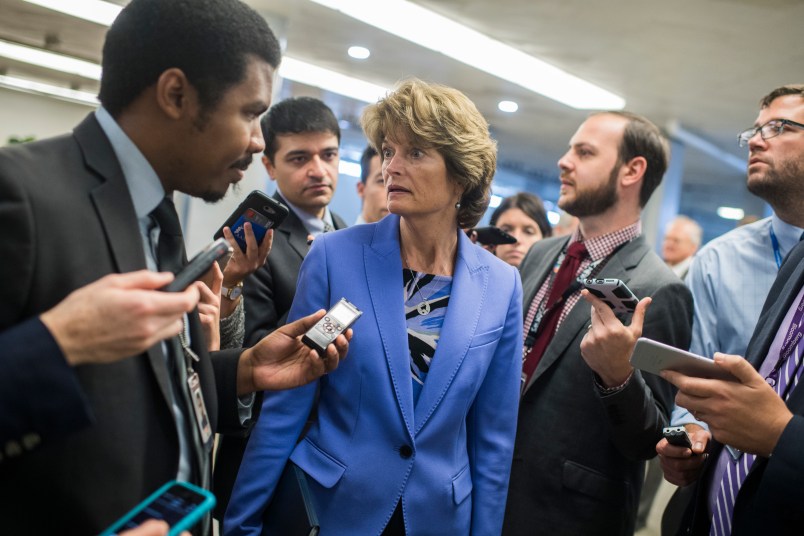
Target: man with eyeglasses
{"x":746,"y":491}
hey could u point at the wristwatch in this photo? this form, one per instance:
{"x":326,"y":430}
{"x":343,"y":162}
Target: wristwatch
{"x":232,"y":293}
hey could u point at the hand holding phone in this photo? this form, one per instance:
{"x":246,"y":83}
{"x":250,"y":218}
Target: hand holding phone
{"x":614,"y":293}
{"x":199,"y":265}
{"x":261,"y":211}
{"x":180,"y":504}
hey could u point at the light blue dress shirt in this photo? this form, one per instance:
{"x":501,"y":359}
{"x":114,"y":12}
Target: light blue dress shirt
{"x":730,"y":278}
{"x":314,"y":225}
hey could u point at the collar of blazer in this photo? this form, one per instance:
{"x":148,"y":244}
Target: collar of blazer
{"x":294,"y":230}
{"x":383,"y":265}
{"x":618,"y":266}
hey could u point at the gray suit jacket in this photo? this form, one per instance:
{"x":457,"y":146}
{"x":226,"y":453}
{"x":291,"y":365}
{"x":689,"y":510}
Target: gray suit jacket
{"x":66,"y":219}
{"x":578,"y":459}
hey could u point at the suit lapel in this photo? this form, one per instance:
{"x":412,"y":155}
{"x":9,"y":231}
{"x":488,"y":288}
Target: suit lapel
{"x":383,"y":274}
{"x":469,"y":287}
{"x":293,"y":229}
{"x":112,"y":201}
{"x":578,"y":319}
{"x":531,"y":282}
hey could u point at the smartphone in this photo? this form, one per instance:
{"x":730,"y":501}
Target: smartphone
{"x":180,"y":504}
{"x":342,"y":315}
{"x":653,"y":356}
{"x":199,"y":265}
{"x":261,"y":211}
{"x":493,"y":235}
{"x":677,"y":435}
{"x":614,"y":293}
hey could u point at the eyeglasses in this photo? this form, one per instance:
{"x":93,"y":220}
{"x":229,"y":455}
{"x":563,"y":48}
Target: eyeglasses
{"x":771,"y":129}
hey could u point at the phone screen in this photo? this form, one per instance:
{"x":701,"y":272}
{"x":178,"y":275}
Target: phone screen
{"x":171,"y":506}
{"x":259,"y":225}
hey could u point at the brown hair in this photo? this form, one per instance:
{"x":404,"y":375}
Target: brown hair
{"x":443,"y":118}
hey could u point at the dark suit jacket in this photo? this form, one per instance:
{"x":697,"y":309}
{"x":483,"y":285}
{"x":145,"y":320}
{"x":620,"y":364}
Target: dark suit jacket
{"x":268,"y":295}
{"x":32,"y":364}
{"x":578,"y":459}
{"x":66,"y":219}
{"x":769,"y":502}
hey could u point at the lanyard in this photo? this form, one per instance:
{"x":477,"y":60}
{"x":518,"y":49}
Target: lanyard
{"x":777,"y":254}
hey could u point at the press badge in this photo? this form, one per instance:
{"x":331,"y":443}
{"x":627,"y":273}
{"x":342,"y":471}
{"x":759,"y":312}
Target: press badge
{"x":201,"y":417}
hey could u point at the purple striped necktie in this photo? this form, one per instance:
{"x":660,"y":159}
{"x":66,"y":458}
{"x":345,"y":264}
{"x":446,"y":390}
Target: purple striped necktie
{"x":783,"y":378}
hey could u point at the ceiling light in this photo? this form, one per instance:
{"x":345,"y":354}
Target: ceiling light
{"x":438,"y":33}
{"x":495,"y":200}
{"x":312,"y":75}
{"x":39,"y":88}
{"x":92,"y":10}
{"x":50,"y":60}
{"x":553,"y":217}
{"x":730,"y":213}
{"x":359,"y":53}
{"x":508,"y":106}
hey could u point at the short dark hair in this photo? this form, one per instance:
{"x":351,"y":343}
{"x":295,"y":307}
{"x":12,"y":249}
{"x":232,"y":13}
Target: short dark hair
{"x":528,"y":203}
{"x":365,"y":162}
{"x":642,"y":138}
{"x":211,"y":41}
{"x":297,"y":115}
{"x":790,"y":89}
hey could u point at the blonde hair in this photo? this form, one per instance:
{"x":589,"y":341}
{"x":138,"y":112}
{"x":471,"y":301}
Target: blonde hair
{"x":440,"y":117}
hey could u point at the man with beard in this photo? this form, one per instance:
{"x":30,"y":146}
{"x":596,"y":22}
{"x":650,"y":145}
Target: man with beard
{"x":587,"y":420}
{"x":184,"y":85}
{"x":731,"y":276}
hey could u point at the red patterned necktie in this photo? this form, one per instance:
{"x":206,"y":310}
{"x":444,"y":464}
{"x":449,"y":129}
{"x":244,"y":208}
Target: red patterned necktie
{"x":566,"y":274}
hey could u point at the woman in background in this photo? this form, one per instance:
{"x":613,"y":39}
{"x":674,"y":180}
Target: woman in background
{"x":523,"y":217}
{"x":414,"y":431}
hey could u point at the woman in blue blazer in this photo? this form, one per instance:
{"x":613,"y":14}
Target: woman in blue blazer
{"x":413,"y":433}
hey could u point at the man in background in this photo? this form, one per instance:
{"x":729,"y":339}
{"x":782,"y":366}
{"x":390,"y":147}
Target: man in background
{"x":371,"y":188}
{"x":682,"y":238}
{"x":587,"y":419}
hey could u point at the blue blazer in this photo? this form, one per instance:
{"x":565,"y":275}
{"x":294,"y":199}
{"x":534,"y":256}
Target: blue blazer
{"x":448,"y":458}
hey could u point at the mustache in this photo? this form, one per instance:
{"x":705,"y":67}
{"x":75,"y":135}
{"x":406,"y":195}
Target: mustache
{"x":243,"y":163}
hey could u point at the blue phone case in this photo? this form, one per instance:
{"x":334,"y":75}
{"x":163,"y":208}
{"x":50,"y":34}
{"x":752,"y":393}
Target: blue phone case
{"x":203,"y":502}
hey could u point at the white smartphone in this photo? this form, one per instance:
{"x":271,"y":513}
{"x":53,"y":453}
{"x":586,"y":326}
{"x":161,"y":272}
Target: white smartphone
{"x":653,"y":356}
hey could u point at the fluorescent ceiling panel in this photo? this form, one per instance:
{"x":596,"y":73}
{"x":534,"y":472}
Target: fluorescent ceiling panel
{"x":312,"y":75}
{"x":39,"y":88}
{"x":50,"y":60}
{"x":95,"y":11}
{"x":438,"y":33}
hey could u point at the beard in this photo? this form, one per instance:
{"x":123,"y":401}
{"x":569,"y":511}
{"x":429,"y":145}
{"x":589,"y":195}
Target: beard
{"x":595,"y":201}
{"x":781,"y":184}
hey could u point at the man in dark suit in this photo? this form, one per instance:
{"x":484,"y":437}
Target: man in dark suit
{"x":302,"y":140}
{"x":587,"y":420}
{"x":756,"y":421}
{"x":183,"y":87}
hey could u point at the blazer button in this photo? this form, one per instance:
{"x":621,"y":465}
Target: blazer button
{"x":405,"y":452}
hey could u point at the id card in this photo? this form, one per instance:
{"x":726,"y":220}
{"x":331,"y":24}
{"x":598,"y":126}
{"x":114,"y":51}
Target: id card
{"x":201,"y":417}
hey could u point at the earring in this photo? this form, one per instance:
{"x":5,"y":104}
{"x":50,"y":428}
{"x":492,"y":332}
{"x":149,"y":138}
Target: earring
{"x":458,"y":206}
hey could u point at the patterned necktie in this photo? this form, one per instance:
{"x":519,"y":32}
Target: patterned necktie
{"x":171,"y":257}
{"x":566,"y":274}
{"x":327,"y":227}
{"x":784,"y":378}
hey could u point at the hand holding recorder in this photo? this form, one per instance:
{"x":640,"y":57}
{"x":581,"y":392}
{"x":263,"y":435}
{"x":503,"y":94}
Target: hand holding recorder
{"x":609,"y":343}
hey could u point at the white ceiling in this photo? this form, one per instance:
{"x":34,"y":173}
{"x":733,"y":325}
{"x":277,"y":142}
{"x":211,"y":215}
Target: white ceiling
{"x":700,"y":63}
